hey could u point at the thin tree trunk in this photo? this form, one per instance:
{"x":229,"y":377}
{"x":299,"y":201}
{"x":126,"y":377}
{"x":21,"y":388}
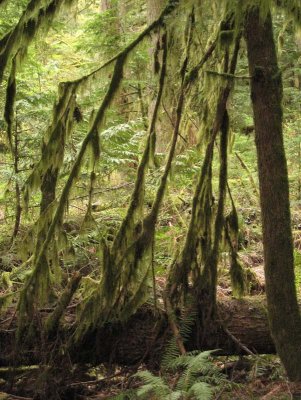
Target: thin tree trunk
{"x":104,"y":5}
{"x":17,"y":186}
{"x":48,"y":188}
{"x":266,"y":94}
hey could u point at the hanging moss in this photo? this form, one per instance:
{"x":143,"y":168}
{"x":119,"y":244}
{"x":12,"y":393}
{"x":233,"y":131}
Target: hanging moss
{"x":9,"y":109}
{"x":237,"y":275}
{"x":121,"y":260}
{"x":38,"y":14}
{"x":127,"y":273}
{"x":36,"y":286}
{"x":237,"y":272}
{"x":199,"y":256}
{"x":52,"y":153}
{"x":209,"y":275}
{"x":89,"y":221}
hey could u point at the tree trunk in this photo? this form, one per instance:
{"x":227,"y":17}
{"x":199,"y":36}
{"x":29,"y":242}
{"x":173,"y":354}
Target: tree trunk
{"x":146,"y":335}
{"x":48,"y":188}
{"x":266,"y":94}
{"x":154,"y":7}
{"x":104,"y":5}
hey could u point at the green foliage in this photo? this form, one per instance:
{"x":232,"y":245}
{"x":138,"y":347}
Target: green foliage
{"x":134,"y":234}
{"x":297,"y":256}
{"x":197,"y":378}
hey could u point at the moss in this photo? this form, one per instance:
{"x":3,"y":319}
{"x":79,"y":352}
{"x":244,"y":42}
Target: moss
{"x":9,"y":108}
{"x":38,"y":14}
{"x":128,"y":265}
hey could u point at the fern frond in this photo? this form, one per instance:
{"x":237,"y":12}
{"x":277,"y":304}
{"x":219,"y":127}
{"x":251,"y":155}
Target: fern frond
{"x":153,"y":385}
{"x":201,"y":391}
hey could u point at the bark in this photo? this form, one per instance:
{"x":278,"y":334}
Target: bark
{"x":48,"y":188}
{"x":104,"y":5}
{"x":52,"y":322}
{"x":145,"y":336}
{"x":266,"y":94}
{"x":18,"y":206}
{"x":154,"y":7}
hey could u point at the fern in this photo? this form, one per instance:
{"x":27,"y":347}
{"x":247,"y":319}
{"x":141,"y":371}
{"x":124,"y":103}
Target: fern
{"x":153,"y":385}
{"x":128,"y":395}
{"x":199,"y":379}
{"x":200,"y":391}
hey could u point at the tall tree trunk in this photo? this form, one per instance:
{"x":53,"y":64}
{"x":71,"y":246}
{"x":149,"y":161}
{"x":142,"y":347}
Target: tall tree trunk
{"x":266,"y":94}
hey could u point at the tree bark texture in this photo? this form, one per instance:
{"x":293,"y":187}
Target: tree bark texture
{"x":266,"y":95}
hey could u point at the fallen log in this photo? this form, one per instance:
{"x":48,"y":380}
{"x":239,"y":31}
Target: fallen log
{"x":242,"y":325}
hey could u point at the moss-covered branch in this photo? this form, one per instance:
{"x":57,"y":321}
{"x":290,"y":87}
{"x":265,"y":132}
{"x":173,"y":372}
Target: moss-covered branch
{"x":198,"y":249}
{"x":52,"y":322}
{"x":33,"y":288}
{"x":9,"y":109}
{"x":38,"y":14}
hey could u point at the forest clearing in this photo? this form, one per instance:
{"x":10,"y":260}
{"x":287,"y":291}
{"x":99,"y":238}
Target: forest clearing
{"x":150,"y":199}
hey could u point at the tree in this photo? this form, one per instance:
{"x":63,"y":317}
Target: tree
{"x":266,"y":95}
{"x":180,"y":78}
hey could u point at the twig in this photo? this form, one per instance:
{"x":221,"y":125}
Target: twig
{"x":238,"y":342}
{"x":97,"y":381}
{"x":245,"y":167}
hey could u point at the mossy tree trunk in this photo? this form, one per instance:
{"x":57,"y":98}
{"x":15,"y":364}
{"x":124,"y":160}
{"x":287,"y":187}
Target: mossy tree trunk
{"x":266,"y":94}
{"x":48,"y":188}
{"x":18,"y":207}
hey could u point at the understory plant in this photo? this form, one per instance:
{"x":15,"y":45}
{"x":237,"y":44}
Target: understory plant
{"x":192,"y":376}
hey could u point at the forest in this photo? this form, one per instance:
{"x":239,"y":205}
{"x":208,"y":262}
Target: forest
{"x":150,"y":199}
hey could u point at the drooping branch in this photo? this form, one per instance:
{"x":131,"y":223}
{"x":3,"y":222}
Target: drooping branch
{"x":38,"y":14}
{"x":127,"y":266}
{"x":231,"y":229}
{"x":54,"y":142}
{"x":145,"y":241}
{"x":171,"y":6}
{"x":9,"y":109}
{"x":118,"y":259}
{"x":198,"y":247}
{"x":209,"y":274}
{"x":69,"y":89}
{"x":33,"y":289}
{"x":137,"y":196}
